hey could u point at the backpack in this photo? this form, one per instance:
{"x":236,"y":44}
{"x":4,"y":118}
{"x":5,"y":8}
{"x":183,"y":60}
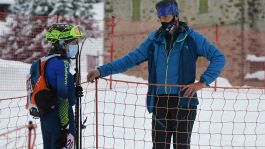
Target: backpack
{"x":40,"y":98}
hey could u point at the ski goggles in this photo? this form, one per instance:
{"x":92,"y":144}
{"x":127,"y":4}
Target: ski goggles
{"x":167,"y":8}
{"x":54,"y":34}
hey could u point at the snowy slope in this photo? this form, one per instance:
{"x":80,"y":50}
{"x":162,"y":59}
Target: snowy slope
{"x":13,"y":78}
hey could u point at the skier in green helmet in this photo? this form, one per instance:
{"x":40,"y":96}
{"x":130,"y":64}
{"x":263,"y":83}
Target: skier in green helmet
{"x":58,"y":125}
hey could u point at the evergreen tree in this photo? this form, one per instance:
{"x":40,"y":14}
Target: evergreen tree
{"x":30,"y":19}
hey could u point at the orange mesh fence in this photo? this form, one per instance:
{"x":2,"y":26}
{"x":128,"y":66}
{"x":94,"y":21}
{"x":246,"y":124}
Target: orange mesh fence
{"x":230,"y":117}
{"x":14,"y":130}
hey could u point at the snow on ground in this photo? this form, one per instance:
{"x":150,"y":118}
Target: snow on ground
{"x":226,"y":117}
{"x":13,"y":78}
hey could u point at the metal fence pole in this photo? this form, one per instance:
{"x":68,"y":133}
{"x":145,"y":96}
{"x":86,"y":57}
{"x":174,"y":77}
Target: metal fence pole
{"x":216,"y":42}
{"x":30,"y":127}
{"x":96,"y":106}
{"x":112,"y":44}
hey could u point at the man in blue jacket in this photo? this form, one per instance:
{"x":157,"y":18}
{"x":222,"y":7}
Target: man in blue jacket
{"x":58,"y":125}
{"x":172,"y":53}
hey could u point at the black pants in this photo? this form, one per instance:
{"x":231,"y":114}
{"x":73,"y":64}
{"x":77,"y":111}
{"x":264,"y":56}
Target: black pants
{"x":169,"y":119}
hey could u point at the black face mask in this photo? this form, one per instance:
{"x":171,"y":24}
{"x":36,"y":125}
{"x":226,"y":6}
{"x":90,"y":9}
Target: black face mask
{"x":169,"y":27}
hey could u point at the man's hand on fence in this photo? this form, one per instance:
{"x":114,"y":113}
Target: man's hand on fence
{"x":92,"y":75}
{"x":191,"y":89}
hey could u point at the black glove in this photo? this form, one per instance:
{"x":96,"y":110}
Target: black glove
{"x":63,"y":137}
{"x":79,"y":91}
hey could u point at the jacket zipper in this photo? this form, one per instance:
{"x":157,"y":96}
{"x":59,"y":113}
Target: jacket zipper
{"x":166,"y":74}
{"x":168,"y":56}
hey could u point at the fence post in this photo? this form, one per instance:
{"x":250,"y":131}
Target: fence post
{"x":216,"y":43}
{"x":96,"y":106}
{"x":30,"y":127}
{"x":112,"y":44}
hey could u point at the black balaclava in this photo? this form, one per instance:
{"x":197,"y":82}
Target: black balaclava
{"x":170,"y":27}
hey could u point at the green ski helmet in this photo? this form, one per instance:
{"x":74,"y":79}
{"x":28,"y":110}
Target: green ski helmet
{"x":61,"y":31}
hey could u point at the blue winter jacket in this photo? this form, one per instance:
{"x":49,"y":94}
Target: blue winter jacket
{"x":176,"y":68}
{"x":61,"y":80}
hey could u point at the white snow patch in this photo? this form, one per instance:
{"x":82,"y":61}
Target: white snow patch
{"x":98,"y":9}
{"x":4,"y":29}
{"x":254,"y":58}
{"x":13,"y":78}
{"x":221,"y":82}
{"x":7,"y":1}
{"x":260,"y":75}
